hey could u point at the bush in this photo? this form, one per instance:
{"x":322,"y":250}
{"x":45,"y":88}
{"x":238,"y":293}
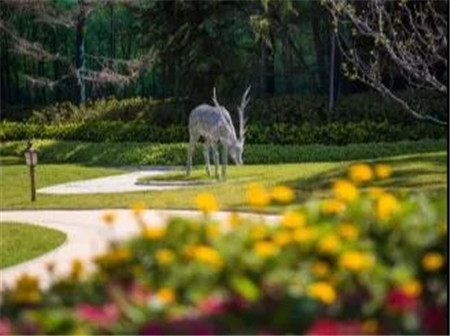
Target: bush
{"x":289,"y":109}
{"x":363,"y":262}
{"x":133,"y":153}
{"x":279,"y":133}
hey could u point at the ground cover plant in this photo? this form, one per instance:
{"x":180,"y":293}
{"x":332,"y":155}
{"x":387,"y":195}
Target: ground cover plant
{"x":425,"y":172}
{"x":39,"y":240}
{"x":362,"y":261}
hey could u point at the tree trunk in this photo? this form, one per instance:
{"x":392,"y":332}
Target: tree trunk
{"x":320,"y":52}
{"x":331,"y":88}
{"x":79,"y":51}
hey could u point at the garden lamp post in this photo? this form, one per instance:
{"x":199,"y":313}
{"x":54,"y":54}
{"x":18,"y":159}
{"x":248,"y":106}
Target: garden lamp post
{"x":31,"y":158}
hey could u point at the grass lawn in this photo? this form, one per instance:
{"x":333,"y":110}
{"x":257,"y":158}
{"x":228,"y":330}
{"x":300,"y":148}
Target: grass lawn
{"x":21,"y":242}
{"x":426,"y":171}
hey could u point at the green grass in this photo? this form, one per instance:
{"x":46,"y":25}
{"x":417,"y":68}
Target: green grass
{"x":412,"y":172}
{"x":135,"y":153}
{"x":21,"y":242}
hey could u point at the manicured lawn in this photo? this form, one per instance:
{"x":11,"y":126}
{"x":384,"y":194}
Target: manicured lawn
{"x":20,"y":242}
{"x":418,"y":171}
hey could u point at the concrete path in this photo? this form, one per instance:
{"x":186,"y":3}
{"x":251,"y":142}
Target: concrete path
{"x":87,"y":236}
{"x":112,"y":184}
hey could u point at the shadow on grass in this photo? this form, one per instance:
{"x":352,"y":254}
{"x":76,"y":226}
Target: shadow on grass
{"x":425,"y":173}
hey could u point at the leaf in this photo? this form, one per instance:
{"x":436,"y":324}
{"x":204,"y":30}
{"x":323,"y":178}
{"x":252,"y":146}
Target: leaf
{"x":245,"y":287}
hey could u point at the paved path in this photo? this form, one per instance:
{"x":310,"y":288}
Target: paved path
{"x":111,"y":184}
{"x":87,"y":236}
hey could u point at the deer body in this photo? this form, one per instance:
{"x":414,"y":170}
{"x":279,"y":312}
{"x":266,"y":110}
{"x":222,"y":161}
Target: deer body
{"x":214,"y":124}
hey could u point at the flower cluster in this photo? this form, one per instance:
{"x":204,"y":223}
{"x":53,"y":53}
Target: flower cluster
{"x":363,"y":261}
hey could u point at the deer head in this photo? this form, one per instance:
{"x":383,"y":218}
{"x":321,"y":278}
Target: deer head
{"x":236,"y":147}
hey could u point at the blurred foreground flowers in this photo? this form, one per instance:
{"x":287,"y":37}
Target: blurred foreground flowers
{"x":361,"y":262}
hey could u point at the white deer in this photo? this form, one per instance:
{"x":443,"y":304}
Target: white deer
{"x":214,"y":124}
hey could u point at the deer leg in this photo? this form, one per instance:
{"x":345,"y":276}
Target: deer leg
{"x":224,"y":162}
{"x":207,"y":161}
{"x":216,"y":160}
{"x":190,"y":152}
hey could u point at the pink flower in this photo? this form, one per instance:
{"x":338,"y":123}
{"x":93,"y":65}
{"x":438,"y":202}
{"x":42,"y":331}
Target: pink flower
{"x":398,"y":301}
{"x":326,"y":326}
{"x":213,"y":305}
{"x":103,"y":316}
{"x":5,"y":327}
{"x":139,"y":293}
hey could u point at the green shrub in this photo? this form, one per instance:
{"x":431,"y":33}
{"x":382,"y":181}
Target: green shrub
{"x":291,"y":109}
{"x":133,"y":153}
{"x":278,"y":133}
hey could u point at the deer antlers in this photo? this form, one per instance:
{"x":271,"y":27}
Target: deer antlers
{"x":214,"y":98}
{"x":241,"y":109}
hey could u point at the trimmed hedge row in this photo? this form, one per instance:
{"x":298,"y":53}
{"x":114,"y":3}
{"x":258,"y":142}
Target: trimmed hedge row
{"x":295,"y":109}
{"x":279,"y":133}
{"x":132,"y":153}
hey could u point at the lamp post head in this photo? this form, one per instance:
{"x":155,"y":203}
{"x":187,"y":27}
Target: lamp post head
{"x":31,"y":156}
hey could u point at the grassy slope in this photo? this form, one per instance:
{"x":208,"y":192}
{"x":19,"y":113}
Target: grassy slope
{"x":424,"y":171}
{"x":38,"y":241}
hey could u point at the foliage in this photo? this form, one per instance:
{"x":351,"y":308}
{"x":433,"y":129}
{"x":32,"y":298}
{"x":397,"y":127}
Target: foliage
{"x":277,"y":133}
{"x":132,"y":153}
{"x":39,"y":240}
{"x":363,"y":261}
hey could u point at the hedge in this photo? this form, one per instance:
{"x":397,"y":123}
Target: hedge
{"x":278,"y":133}
{"x":133,"y":153}
{"x":294,"y":109}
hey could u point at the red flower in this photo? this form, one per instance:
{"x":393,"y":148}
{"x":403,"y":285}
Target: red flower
{"x":398,"y":301}
{"x":5,"y":327}
{"x":102,"y":316}
{"x":434,"y":320}
{"x":326,"y":326}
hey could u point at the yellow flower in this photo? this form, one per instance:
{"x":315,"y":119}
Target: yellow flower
{"x":332,"y":206}
{"x":370,"y":327}
{"x":109,"y":217}
{"x":345,"y":190}
{"x":77,"y":269}
{"x":164,"y":256}
{"x":257,"y":196}
{"x":166,"y":295}
{"x":383,"y":171}
{"x":258,"y":232}
{"x":207,"y":202}
{"x":329,"y":244}
{"x":265,"y":249}
{"x":234,"y":220}
{"x":360,"y":172}
{"x":282,"y":238}
{"x":348,"y":231}
{"x":119,"y":255}
{"x":293,"y":219}
{"x":375,"y":192}
{"x":304,"y":234}
{"x":208,"y":255}
{"x":355,"y":261}
{"x":412,"y":288}
{"x":138,"y":208}
{"x":212,"y":230}
{"x":320,"y":269}
{"x":282,"y":194}
{"x":322,"y":291}
{"x":432,"y":261}
{"x":154,"y":233}
{"x":26,"y":290}
{"x":386,"y":205}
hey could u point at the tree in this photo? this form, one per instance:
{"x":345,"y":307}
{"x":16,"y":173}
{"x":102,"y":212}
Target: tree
{"x":70,"y":17}
{"x":385,"y":43}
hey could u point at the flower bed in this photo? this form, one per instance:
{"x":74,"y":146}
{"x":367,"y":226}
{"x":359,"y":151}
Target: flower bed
{"x":363,"y":262}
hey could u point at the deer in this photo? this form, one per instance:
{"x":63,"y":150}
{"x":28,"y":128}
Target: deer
{"x":214,"y":124}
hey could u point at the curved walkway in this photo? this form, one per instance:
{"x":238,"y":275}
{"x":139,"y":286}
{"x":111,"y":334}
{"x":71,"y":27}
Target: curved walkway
{"x":113,"y":184}
{"x":87,"y":236}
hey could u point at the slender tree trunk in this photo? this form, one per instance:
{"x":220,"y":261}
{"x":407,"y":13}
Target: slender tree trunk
{"x":331,"y":91}
{"x":320,"y":52}
{"x":79,"y":51}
